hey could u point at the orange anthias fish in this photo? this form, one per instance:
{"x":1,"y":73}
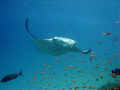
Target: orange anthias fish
{"x":113,"y":75}
{"x":70,"y":66}
{"x":76,"y":87}
{"x":91,"y":59}
{"x":79,"y":71}
{"x":96,"y":66}
{"x":66,"y":69}
{"x":84,"y":87}
{"x":91,"y":55}
{"x":64,"y":56}
{"x":48,"y":84}
{"x":93,"y":52}
{"x":74,"y":81}
{"x":40,"y":86}
{"x":108,"y":33}
{"x":100,"y":74}
{"x":109,"y":62}
{"x":117,"y":22}
{"x":45,"y":70}
{"x":73,"y":67}
{"x":104,"y":33}
{"x":91,"y":87}
{"x":79,"y":59}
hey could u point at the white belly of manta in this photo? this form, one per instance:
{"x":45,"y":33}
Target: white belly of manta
{"x":56,"y":45}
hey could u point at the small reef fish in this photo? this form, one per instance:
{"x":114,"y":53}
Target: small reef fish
{"x":91,"y":55}
{"x":76,"y":87}
{"x":84,"y":87}
{"x":117,"y":22}
{"x":79,"y":71}
{"x":73,"y":67}
{"x":108,"y":33}
{"x":91,"y":59}
{"x":92,"y":87}
{"x":99,"y":42}
{"x":104,"y":33}
{"x":70,"y":66}
{"x":106,"y":69}
{"x":100,"y":74}
{"x":109,"y":62}
{"x":40,"y":86}
{"x":11,"y":76}
{"x":117,"y":71}
{"x":66,"y":75}
{"x":113,"y":75}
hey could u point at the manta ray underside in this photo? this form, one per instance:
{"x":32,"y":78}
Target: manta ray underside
{"x":56,"y":45}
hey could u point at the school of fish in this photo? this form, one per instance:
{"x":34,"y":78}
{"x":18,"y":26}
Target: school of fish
{"x":78,"y":72}
{"x":75,"y":74}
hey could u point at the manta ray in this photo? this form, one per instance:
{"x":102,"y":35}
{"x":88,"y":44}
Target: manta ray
{"x":56,"y":45}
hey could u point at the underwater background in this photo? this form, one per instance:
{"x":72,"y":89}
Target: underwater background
{"x":91,"y":23}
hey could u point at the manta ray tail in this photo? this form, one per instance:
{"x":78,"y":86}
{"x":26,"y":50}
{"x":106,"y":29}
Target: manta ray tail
{"x":86,"y":52}
{"x":28,"y":30}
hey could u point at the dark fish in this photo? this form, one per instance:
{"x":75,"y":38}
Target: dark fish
{"x":11,"y":76}
{"x":117,"y":71}
{"x":76,"y":87}
{"x":91,"y":59}
{"x":99,"y":42}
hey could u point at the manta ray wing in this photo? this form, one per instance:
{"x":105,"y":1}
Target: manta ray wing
{"x":49,"y":46}
{"x":56,"y":45}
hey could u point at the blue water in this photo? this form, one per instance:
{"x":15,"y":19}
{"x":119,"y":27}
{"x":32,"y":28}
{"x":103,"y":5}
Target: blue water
{"x":84,"y":21}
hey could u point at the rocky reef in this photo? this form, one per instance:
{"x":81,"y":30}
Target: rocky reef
{"x":110,"y":86}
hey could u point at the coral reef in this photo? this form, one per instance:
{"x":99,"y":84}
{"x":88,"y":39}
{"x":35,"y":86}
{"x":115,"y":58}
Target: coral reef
{"x":110,"y":86}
